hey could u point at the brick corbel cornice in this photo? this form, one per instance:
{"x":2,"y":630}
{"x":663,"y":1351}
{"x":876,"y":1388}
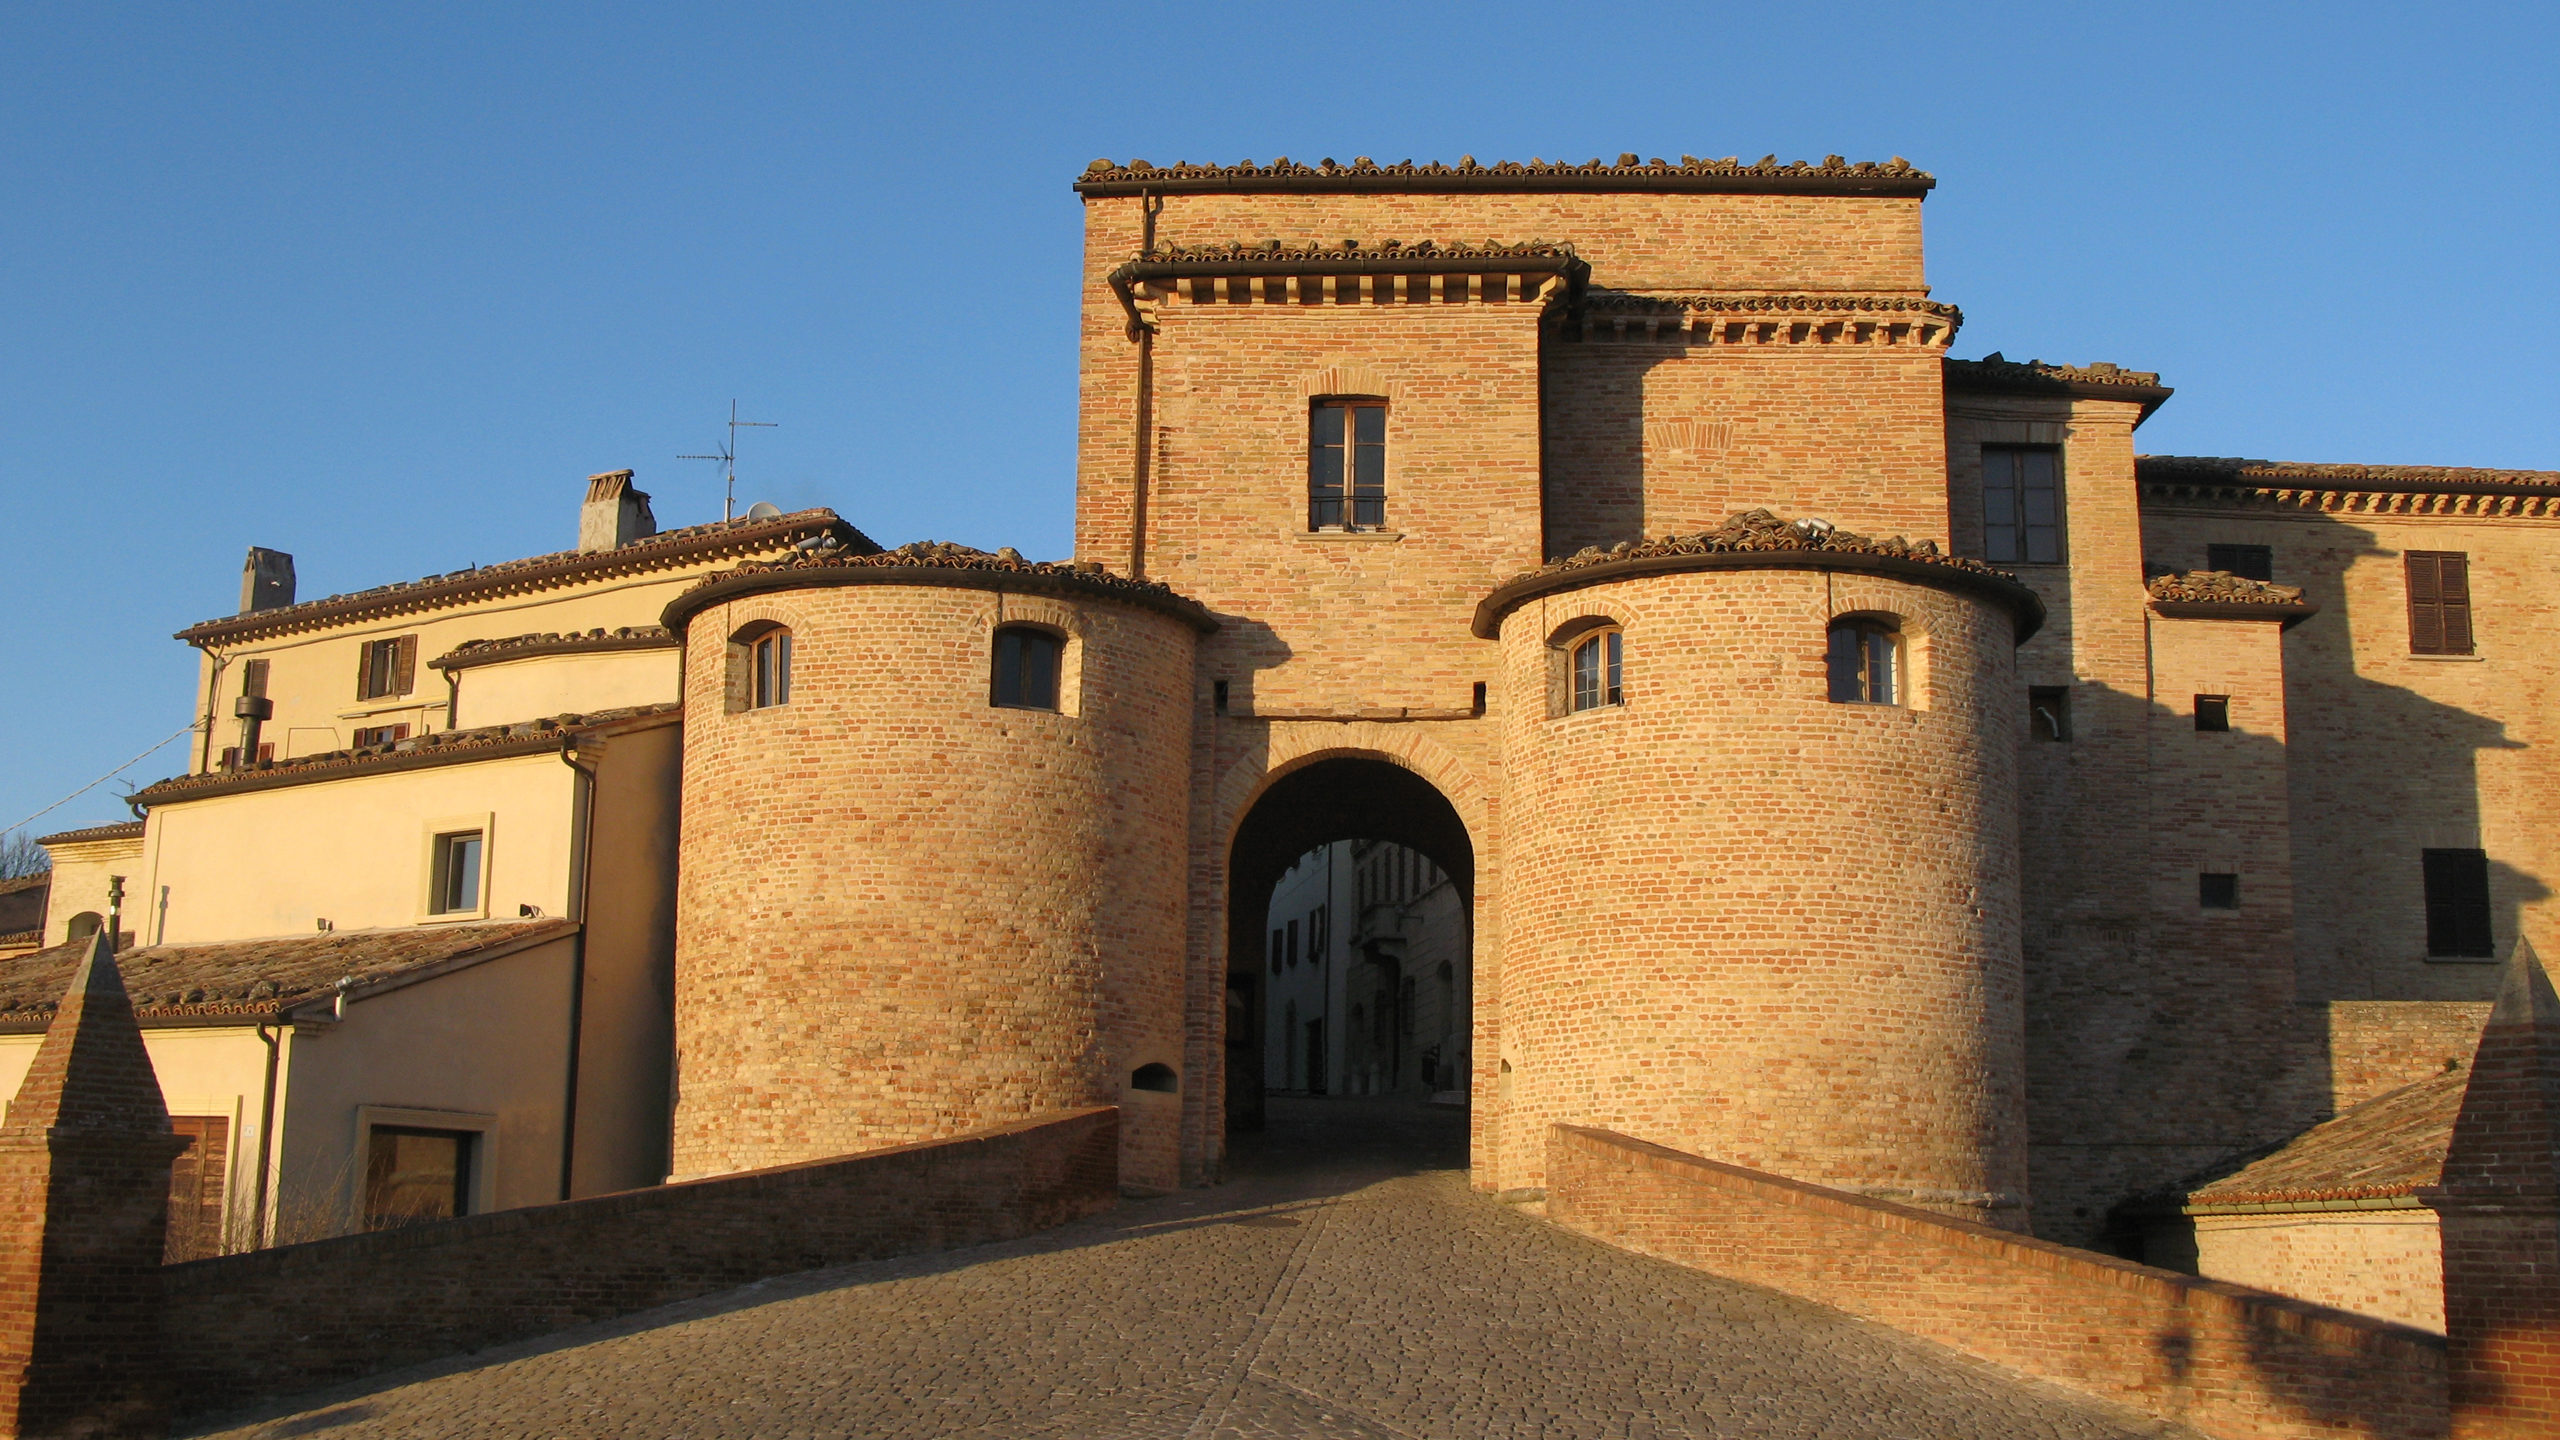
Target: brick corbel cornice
{"x":1384,"y":273}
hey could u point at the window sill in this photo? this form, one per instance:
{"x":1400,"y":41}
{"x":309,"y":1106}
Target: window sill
{"x":2462,"y":959}
{"x":1594,"y":713}
{"x":1374,"y":536}
{"x":2450,"y":659}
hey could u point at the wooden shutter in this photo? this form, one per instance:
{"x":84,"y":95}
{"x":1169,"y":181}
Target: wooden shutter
{"x":404,"y":665}
{"x":364,"y":670}
{"x":253,"y":678}
{"x":2439,"y":602}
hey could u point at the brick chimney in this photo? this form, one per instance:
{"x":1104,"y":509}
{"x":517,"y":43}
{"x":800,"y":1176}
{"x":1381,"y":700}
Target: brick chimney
{"x":2499,"y":1209}
{"x":615,"y":513}
{"x":266,"y":582}
{"x":84,"y":1210}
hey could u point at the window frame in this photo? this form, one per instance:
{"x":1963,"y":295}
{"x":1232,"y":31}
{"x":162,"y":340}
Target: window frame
{"x":2019,"y":527}
{"x":2211,"y":895}
{"x":485,"y":1151}
{"x":2212,"y":714}
{"x":1870,"y":628}
{"x":2432,"y":581}
{"x":436,"y":881}
{"x":1607,"y":645}
{"x":1057,"y":642}
{"x":769,"y":669}
{"x":1347,"y":497}
{"x":2053,"y":701}
{"x":387,"y":668}
{"x":2254,"y":557}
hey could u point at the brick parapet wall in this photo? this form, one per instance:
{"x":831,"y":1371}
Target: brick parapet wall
{"x":2222,"y":1358}
{"x":275,"y":1322}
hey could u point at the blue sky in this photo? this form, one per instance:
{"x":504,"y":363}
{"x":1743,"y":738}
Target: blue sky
{"x":380,"y":285}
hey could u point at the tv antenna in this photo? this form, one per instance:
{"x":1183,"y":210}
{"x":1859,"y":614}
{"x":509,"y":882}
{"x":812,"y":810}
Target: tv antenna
{"x":728,"y":458}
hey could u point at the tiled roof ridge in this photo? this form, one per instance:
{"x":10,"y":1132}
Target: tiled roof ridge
{"x":1085,"y":575}
{"x":1765,"y":304}
{"x":2220,"y":587}
{"x":535,"y":642}
{"x":1761,"y":529}
{"x":666,"y":546}
{"x":119,"y":830}
{"x":1419,"y":251}
{"x":2418,"y":1116}
{"x":518,"y":735}
{"x":1996,"y":366}
{"x":16,"y":883}
{"x":2299,"y":474}
{"x":265,"y":995}
{"x":1629,"y":169}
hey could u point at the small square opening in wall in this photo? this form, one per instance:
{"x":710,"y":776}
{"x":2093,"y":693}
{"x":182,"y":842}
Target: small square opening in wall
{"x":2049,"y":712}
{"x":2213,"y":712}
{"x":2216,"y":890}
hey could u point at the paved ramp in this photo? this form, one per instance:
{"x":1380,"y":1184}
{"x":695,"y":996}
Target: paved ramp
{"x":1345,"y":1284}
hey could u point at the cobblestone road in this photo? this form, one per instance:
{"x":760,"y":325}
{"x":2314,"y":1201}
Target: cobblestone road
{"x":1345,"y":1284}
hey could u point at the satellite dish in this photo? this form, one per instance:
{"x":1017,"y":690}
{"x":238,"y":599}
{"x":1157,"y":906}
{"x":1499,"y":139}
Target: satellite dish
{"x":764,"y":510}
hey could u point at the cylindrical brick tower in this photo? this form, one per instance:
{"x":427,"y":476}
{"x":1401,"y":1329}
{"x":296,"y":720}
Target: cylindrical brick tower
{"x":924,"y":888}
{"x":1744,"y":919}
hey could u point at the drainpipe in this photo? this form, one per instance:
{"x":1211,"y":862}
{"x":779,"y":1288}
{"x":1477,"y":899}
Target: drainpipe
{"x":584,"y":787}
{"x":1150,"y":205}
{"x":261,"y":1223}
{"x":212,"y":691}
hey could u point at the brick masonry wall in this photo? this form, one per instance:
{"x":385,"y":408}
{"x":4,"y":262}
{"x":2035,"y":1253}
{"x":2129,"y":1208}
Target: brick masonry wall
{"x":1749,"y":922}
{"x":2383,"y":1263}
{"x":905,"y":913}
{"x":2395,"y":753}
{"x":274,"y":1322}
{"x":2227,"y":1360}
{"x":2376,"y":1045}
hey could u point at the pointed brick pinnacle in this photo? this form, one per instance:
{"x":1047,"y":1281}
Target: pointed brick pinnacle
{"x":92,"y":1074}
{"x":2507,"y":1139}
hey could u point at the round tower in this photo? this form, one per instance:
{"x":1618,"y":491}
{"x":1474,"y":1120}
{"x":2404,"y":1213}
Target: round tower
{"x":1761,"y":883}
{"x":932,"y":860}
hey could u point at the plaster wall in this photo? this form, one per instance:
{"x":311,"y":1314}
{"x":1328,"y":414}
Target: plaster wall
{"x":510,"y":691}
{"x":80,"y":877}
{"x":238,"y":866}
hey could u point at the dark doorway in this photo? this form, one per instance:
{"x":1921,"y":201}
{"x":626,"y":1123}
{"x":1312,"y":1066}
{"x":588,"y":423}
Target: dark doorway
{"x":1352,"y":1012}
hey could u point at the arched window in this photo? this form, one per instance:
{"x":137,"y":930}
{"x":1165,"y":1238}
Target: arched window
{"x":1026,"y":668}
{"x":1159,"y":1078}
{"x":1347,"y":464}
{"x":84,"y":925}
{"x":770,"y":662}
{"x":1866,"y":661}
{"x":1597,"y":660}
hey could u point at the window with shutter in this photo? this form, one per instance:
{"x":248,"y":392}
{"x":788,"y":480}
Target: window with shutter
{"x":253,"y":679}
{"x":2439,"y":584}
{"x":404,"y":665}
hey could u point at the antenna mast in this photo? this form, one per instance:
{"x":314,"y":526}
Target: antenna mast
{"x":728,"y":458}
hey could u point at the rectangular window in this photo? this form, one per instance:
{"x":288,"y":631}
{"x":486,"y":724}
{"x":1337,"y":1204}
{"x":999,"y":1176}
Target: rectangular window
{"x":2213,"y":712}
{"x":2249,"y":562}
{"x":1347,"y":465}
{"x":2049,"y":712}
{"x":1293,"y":944}
{"x":231,"y":754}
{"x":456,"y":881}
{"x":196,"y":1183}
{"x":387,"y":667}
{"x":414,"y":1175}
{"x":380,"y":734}
{"x":772,"y":669}
{"x":1277,"y":944}
{"x":2458,"y":904}
{"x":253,"y":678}
{"x":2215,"y":891}
{"x":2439,"y":602}
{"x":2021,"y":505}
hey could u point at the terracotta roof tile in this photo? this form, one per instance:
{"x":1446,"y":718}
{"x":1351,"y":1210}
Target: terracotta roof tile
{"x":252,"y":979}
{"x":439,"y":747}
{"x":2296,"y":475}
{"x":121,"y":830}
{"x":1833,"y":176}
{"x":671,"y":547}
{"x":958,"y":564}
{"x":2391,"y":1145}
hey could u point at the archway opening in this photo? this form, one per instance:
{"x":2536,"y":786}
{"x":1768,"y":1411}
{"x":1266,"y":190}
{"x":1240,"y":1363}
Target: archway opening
{"x":1350,"y":978}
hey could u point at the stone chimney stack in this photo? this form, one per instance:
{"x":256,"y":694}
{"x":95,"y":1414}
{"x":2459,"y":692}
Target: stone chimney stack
{"x":84,"y":1211}
{"x":2499,"y":1211}
{"x":266,"y":582}
{"x":615,"y":513}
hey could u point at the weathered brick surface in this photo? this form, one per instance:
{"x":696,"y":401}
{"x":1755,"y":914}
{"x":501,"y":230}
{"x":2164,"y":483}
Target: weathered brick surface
{"x":2227,"y":1360}
{"x":84,"y":1206}
{"x":1749,"y":922}
{"x":274,"y":1322}
{"x":904,"y":912}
